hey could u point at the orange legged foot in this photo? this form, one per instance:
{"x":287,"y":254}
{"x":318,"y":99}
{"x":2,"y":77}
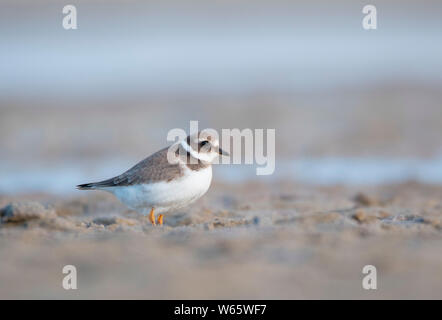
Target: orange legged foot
{"x":152,"y":217}
{"x":160,"y":220}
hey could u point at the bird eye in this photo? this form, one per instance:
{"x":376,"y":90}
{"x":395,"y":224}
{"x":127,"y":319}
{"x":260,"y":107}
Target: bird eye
{"x":203,"y":143}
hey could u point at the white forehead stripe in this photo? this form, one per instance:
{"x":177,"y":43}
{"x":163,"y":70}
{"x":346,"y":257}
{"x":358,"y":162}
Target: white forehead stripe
{"x":193,"y":153}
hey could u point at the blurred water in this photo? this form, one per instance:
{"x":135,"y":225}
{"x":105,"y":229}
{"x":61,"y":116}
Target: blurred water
{"x":62,"y":179}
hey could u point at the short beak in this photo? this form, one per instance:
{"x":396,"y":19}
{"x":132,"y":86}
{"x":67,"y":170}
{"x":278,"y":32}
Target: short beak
{"x":222,"y":152}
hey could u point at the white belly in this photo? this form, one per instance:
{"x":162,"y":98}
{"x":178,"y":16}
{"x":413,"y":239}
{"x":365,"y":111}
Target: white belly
{"x":165,"y":196}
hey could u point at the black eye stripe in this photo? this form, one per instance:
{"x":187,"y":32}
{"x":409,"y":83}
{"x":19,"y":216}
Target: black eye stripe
{"x":203,"y":143}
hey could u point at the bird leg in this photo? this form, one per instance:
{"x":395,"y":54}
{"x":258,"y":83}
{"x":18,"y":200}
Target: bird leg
{"x":152,"y":217}
{"x":160,"y":220}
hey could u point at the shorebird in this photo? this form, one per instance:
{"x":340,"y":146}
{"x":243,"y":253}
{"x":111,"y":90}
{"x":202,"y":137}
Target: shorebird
{"x":169,"y":179}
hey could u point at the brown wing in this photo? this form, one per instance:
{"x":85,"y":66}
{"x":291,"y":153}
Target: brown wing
{"x":155,"y":168}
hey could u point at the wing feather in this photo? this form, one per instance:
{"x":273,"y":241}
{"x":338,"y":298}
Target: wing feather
{"x":154,"y":168}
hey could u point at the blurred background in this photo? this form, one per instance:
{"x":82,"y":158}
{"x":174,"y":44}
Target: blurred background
{"x":358,"y":119}
{"x":349,"y":106}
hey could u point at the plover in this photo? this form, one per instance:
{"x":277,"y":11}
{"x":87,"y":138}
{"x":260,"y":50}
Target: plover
{"x":162,"y":183}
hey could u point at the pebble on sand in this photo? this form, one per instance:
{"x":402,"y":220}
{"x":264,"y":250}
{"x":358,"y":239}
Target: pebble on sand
{"x":17,"y":212}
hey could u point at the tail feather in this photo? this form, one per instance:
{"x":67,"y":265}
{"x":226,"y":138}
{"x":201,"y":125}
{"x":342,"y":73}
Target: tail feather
{"x":86,"y":186}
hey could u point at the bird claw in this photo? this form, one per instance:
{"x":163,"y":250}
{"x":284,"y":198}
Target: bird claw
{"x":152,"y":217}
{"x":160,"y":220}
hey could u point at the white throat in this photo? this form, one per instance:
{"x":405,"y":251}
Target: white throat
{"x":207,"y":157}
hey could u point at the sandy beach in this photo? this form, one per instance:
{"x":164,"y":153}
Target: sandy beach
{"x":256,"y":241}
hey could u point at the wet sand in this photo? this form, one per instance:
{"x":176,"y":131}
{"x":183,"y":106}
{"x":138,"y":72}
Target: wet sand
{"x":251,"y":240}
